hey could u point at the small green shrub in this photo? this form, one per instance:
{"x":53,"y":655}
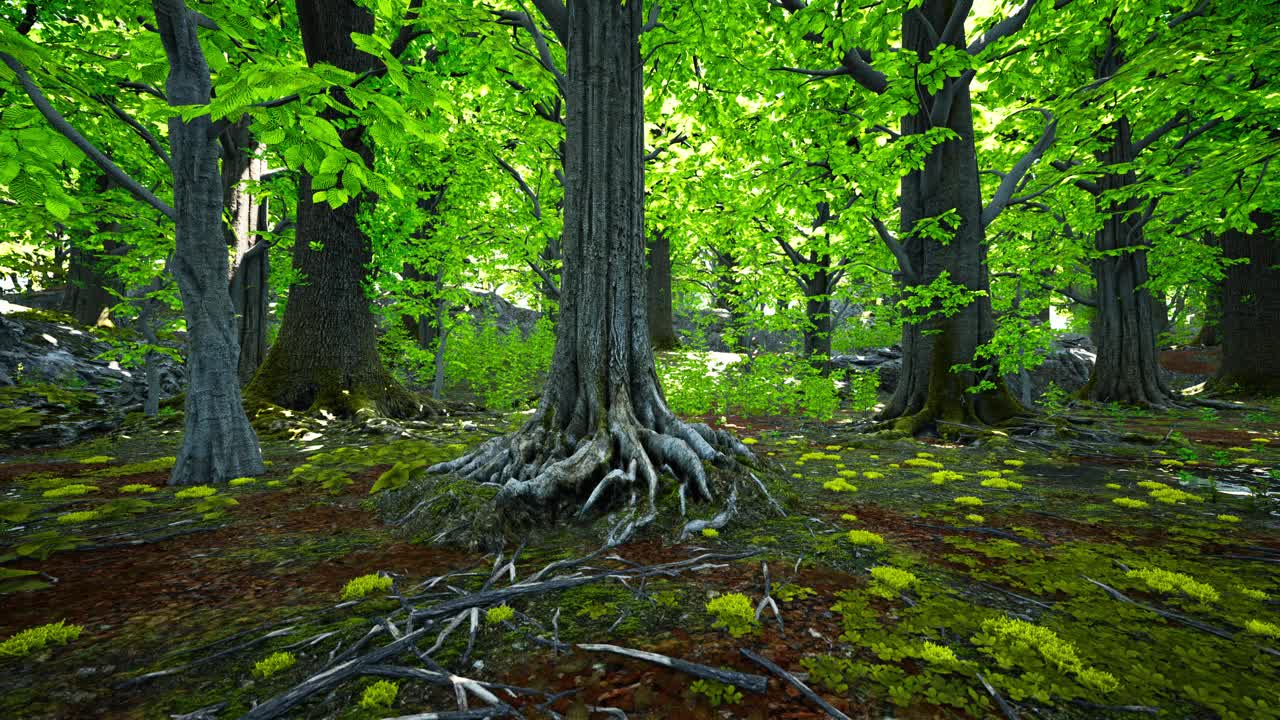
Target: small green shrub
{"x":365,"y":585}
{"x":1012,"y":642}
{"x":710,"y":532}
{"x":37,"y":638}
{"x":379,"y":695}
{"x":196,"y":491}
{"x":78,"y":517}
{"x":138,"y":488}
{"x":968,"y":500}
{"x":717,"y":693}
{"x":889,"y":581}
{"x":734,"y":613}
{"x":70,"y":491}
{"x":499,"y":614}
{"x":788,"y":592}
{"x":274,"y":663}
{"x":1169,"y":582}
{"x":1131,"y":503}
{"x":864,"y":537}
{"x":1262,"y":627}
{"x":237,"y":482}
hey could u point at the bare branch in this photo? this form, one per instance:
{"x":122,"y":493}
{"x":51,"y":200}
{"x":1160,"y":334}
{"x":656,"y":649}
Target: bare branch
{"x":550,"y":288}
{"x":544,"y":57}
{"x":653,"y":154}
{"x":1011,"y":181}
{"x":65,"y":128}
{"x":955,"y":24}
{"x":524,"y":186}
{"x":860,"y":70}
{"x":143,"y":88}
{"x":1003,"y":29}
{"x":1178,"y":119}
{"x":557,"y":17}
{"x":142,"y":132}
{"x":895,"y":247}
{"x":1197,"y":133}
{"x":651,"y":23}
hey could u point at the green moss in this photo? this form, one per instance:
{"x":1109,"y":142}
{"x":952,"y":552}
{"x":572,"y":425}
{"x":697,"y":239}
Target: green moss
{"x":379,"y":696}
{"x":73,"y":490}
{"x":274,"y":663}
{"x":734,"y":613}
{"x":196,"y":491}
{"x":864,"y":537}
{"x":38,"y":638}
{"x":78,"y":517}
{"x":499,"y":614}
{"x":1169,"y":582}
{"x":365,"y":585}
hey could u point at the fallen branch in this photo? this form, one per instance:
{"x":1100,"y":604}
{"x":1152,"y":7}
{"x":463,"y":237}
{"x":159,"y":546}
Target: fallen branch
{"x":1004,"y":706}
{"x":753,"y":683}
{"x":794,"y":682}
{"x":202,"y":661}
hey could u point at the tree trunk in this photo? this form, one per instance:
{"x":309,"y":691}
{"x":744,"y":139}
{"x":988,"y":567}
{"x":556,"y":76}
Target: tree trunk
{"x":219,"y":444}
{"x":602,"y":428}
{"x":1251,"y":310}
{"x":662,"y":331}
{"x":88,"y":293}
{"x":931,"y":386}
{"x":1127,"y":369}
{"x":1211,"y":315}
{"x":326,"y":356}
{"x":250,"y":268}
{"x":817,"y":312}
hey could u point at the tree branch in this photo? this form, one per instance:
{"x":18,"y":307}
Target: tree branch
{"x":1002,"y":29}
{"x":557,"y":17}
{"x":1197,"y":133}
{"x":28,"y":21}
{"x":524,"y":186}
{"x":1178,"y":119}
{"x":653,"y":154}
{"x":143,"y":88}
{"x":142,"y":132}
{"x":544,"y":57}
{"x":895,"y":247}
{"x":1010,"y":182}
{"x":651,"y":23}
{"x":65,"y":128}
{"x":863,"y":73}
{"x":551,"y":289}
{"x":955,"y":24}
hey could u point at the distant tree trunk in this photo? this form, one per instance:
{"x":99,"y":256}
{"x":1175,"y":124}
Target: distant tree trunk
{"x":662,"y":330}
{"x":250,"y":267}
{"x":1251,"y":309}
{"x":817,"y":311}
{"x":930,"y":387}
{"x":218,"y":444}
{"x":603,"y":426}
{"x":1127,"y":369}
{"x":89,"y":287}
{"x":326,"y":355}
{"x":1211,"y":314}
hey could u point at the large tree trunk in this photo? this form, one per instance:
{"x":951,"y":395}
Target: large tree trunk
{"x":817,"y":312}
{"x":219,"y":444}
{"x":662,"y":329}
{"x":1251,"y":310}
{"x":931,"y":387}
{"x":1127,"y":369}
{"x":603,"y":427}
{"x":326,"y":356}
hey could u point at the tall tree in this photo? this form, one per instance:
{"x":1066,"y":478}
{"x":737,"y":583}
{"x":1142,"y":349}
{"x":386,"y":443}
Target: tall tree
{"x":602,"y":425}
{"x":218,"y":442}
{"x":326,"y":355}
{"x":1250,"y":306}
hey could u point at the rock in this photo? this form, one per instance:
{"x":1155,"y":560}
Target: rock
{"x":886,"y":361}
{"x":1067,"y":365}
{"x":55,"y":366}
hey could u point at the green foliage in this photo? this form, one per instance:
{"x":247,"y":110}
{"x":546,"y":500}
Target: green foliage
{"x":734,"y":613}
{"x":397,"y":476}
{"x":717,"y":693}
{"x":194,"y":492}
{"x":1169,"y":582}
{"x":379,"y":696}
{"x":1038,"y":651}
{"x":73,"y":490}
{"x":788,"y":592}
{"x":138,"y":488}
{"x":864,"y":537}
{"x":37,"y":638}
{"x":274,"y":663}
{"x":12,"y":581}
{"x":499,"y":614}
{"x":15,"y":419}
{"x":365,"y":585}
{"x":702,"y":383}
{"x":503,"y":369}
{"x":889,"y":581}
{"x":78,"y":517}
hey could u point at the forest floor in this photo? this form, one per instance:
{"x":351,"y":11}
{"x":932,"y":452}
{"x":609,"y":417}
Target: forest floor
{"x":1130,"y":571}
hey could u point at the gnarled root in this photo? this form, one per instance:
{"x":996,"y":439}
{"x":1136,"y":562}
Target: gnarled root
{"x":546,"y":473}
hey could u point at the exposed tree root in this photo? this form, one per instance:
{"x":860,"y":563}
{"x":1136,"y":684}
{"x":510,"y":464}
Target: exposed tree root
{"x":546,"y":473}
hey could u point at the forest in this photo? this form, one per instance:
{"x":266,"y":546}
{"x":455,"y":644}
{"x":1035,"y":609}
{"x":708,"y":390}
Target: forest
{"x":452,"y":359}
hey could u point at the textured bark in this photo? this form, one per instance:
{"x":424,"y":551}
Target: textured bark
{"x":326,"y":355}
{"x":250,"y":267}
{"x":662,"y":330}
{"x":219,"y":443}
{"x":1251,"y":309}
{"x":1127,"y":369}
{"x":929,"y":389}
{"x":602,"y":427}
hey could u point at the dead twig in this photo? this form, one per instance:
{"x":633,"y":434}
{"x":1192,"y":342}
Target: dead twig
{"x":752,"y":683}
{"x":794,"y":682}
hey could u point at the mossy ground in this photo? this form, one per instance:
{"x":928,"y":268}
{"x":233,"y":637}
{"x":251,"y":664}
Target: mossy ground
{"x":170,"y":581}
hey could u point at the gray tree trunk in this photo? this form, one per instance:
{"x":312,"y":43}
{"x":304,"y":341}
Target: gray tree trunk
{"x":929,"y":389}
{"x":602,"y":427}
{"x":89,"y":287}
{"x":250,"y":267}
{"x":219,"y":444}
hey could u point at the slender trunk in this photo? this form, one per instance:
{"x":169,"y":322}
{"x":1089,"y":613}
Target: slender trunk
{"x":1251,"y":309}
{"x":817,"y":311}
{"x":937,"y":382}
{"x":662,"y":331}
{"x":88,"y":295}
{"x":326,"y":356}
{"x":1211,"y":315}
{"x":250,"y":268}
{"x":219,"y":444}
{"x":1127,"y":369}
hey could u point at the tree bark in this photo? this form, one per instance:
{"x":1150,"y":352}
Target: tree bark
{"x":219,"y":444}
{"x":602,"y":427}
{"x":1127,"y":368}
{"x":326,"y":355}
{"x":1251,"y":310}
{"x":250,"y":267}
{"x":662,"y":331}
{"x":817,"y":312}
{"x":929,"y":389}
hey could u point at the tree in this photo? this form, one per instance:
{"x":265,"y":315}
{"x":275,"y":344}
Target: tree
{"x":218,"y":442}
{"x":602,"y":426}
{"x":1250,"y":323}
{"x":326,"y":355}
